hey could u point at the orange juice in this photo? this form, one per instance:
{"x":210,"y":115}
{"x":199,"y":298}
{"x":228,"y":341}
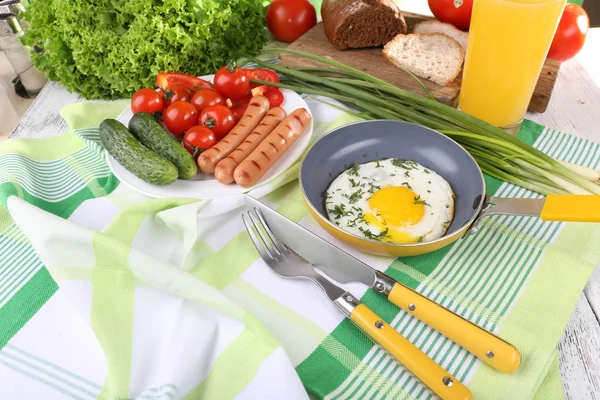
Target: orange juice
{"x":508,"y":44}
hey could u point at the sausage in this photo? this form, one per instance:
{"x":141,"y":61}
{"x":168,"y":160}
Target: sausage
{"x":256,"y":165}
{"x":257,"y":108}
{"x":224,"y":169}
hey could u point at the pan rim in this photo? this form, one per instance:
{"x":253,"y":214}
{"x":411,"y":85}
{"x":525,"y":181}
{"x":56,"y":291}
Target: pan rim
{"x":461,"y":231}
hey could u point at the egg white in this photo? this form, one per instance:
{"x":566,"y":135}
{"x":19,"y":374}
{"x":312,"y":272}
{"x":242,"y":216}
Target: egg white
{"x":347,"y":198}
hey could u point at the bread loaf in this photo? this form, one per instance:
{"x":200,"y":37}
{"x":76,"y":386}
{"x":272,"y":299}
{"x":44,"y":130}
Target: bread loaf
{"x":432,"y":56}
{"x":352,"y":24}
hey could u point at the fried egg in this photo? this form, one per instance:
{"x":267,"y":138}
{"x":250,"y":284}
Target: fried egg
{"x":392,"y":200}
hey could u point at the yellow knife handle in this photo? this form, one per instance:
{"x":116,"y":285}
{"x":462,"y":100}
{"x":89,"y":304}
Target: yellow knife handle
{"x":428,"y":371}
{"x":486,"y":346}
{"x":571,"y":208}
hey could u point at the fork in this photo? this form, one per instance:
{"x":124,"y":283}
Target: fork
{"x":287,"y":264}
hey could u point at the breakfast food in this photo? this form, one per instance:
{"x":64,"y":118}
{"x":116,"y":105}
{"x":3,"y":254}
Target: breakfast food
{"x":257,"y":108}
{"x":225,"y":168}
{"x":392,"y":200}
{"x":271,"y":148}
{"x":352,"y":24}
{"x":433,"y":56}
{"x":160,"y":146}
{"x":443,"y":27}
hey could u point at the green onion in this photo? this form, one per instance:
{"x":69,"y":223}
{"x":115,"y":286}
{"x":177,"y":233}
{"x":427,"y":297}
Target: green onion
{"x":498,"y":153}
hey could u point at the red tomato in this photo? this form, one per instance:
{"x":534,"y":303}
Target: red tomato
{"x":206,"y":98}
{"x":238,"y":107}
{"x":456,"y":12}
{"x":219,"y":119}
{"x":166,"y":79}
{"x":177,"y":92}
{"x":571,"y":33}
{"x":238,"y":110}
{"x":148,"y":101}
{"x":274,"y":96}
{"x":179,"y":117}
{"x":261,"y":74}
{"x":231,"y":81}
{"x":197,"y":139}
{"x":289,"y":19}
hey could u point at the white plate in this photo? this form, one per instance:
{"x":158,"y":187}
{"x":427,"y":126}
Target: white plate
{"x":205,"y":186}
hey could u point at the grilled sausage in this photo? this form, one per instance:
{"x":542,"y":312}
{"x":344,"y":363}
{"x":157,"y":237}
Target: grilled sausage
{"x":257,"y":108}
{"x":256,"y":165}
{"x":225,"y":167}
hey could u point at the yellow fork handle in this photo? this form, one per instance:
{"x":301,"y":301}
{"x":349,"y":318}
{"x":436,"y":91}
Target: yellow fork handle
{"x":571,"y":208}
{"x":428,"y":371}
{"x":486,"y":346}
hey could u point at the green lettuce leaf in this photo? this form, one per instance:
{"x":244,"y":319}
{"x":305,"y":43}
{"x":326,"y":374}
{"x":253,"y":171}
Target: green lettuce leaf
{"x":108,"y":49}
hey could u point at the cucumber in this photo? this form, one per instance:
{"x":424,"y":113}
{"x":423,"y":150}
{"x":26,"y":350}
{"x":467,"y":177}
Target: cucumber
{"x":152,"y":135}
{"x":138,"y":159}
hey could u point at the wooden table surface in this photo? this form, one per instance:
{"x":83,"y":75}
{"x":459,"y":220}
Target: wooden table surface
{"x":574,"y":108}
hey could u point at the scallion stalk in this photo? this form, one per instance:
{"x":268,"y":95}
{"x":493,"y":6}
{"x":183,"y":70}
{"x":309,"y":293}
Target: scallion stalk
{"x":498,"y":153}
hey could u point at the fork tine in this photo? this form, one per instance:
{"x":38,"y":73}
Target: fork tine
{"x":280,"y":246}
{"x":258,"y":223}
{"x":260,"y":247}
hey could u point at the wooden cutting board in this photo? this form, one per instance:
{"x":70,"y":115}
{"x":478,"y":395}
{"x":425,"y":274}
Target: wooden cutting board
{"x":372,"y":61}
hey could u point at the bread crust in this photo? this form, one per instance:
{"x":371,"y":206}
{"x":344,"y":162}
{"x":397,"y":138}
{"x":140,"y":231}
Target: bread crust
{"x":335,"y":13}
{"x":464,"y":36}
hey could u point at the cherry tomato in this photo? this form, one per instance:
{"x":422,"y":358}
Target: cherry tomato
{"x":219,"y":119}
{"x":238,"y":107}
{"x":177,"y":92}
{"x":238,"y":110}
{"x":456,"y":12}
{"x":571,"y":33}
{"x":274,"y":96}
{"x":148,"y":101}
{"x":231,"y":81}
{"x":198,"y":138}
{"x":206,"y":98}
{"x":261,"y":74}
{"x":179,"y":117}
{"x":166,"y":79}
{"x":289,"y":19}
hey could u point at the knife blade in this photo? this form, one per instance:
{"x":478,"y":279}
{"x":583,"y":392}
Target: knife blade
{"x":329,"y":258}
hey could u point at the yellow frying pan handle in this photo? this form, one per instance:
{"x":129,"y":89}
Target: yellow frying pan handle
{"x":487,"y":347}
{"x":571,"y":208}
{"x":428,"y":371}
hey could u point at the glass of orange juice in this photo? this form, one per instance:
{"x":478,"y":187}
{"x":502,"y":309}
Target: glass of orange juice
{"x":508,"y":44}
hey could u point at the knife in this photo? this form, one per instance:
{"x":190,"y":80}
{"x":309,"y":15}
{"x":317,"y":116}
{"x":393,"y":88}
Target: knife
{"x":345,"y":268}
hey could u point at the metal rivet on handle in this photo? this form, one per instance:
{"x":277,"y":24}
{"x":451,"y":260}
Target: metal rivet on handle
{"x":447,"y":381}
{"x":379,"y":324}
{"x":412,"y":307}
{"x":349,"y":298}
{"x":490,"y":354}
{"x":379,"y":287}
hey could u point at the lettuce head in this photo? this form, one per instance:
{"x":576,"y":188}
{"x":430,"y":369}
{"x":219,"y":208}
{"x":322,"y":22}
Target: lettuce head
{"x":107,"y":49}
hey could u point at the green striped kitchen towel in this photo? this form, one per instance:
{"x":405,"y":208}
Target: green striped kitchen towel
{"x":105,"y":293}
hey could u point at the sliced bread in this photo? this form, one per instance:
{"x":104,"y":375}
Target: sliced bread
{"x":353,"y":24}
{"x":432,"y":56}
{"x":445,"y":28}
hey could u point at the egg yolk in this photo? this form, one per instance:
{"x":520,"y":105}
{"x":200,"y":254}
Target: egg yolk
{"x":395,"y":206}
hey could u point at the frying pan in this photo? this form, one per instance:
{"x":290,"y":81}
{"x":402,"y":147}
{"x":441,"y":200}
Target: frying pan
{"x":378,"y":139}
